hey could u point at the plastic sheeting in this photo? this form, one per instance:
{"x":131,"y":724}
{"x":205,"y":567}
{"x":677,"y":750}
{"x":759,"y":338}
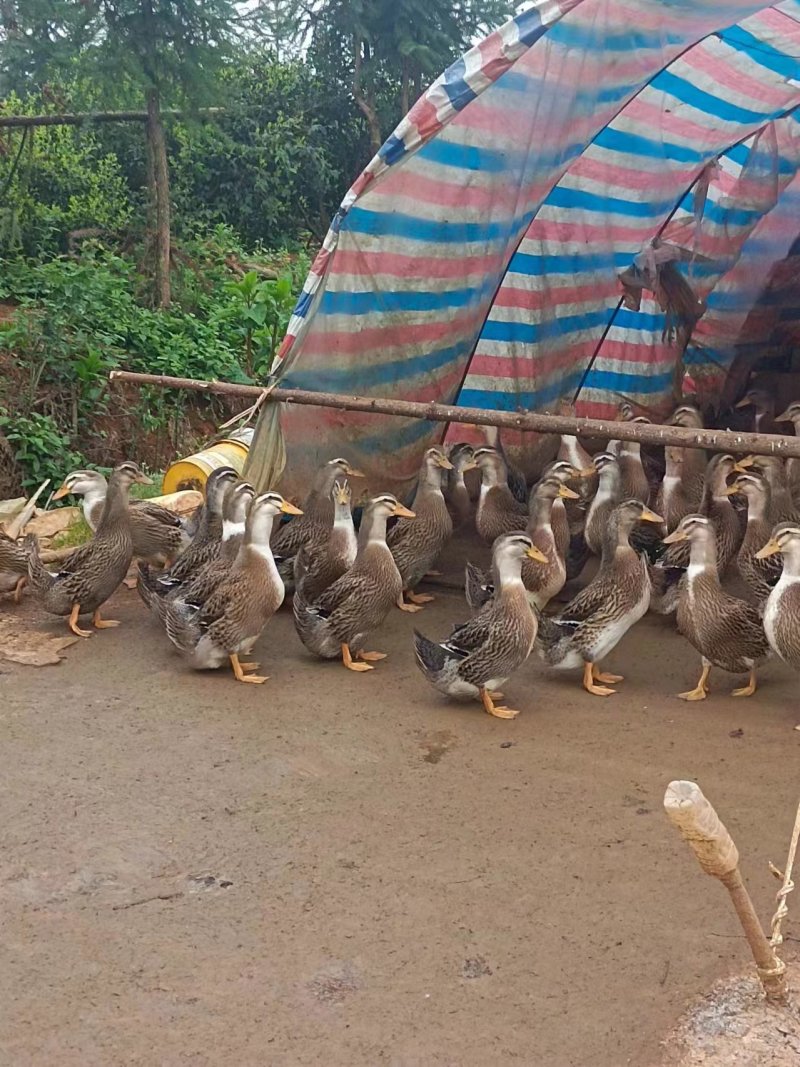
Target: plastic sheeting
{"x":476,"y":260}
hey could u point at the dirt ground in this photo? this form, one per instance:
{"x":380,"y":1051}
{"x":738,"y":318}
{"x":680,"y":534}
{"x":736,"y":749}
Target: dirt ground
{"x":346,"y":870}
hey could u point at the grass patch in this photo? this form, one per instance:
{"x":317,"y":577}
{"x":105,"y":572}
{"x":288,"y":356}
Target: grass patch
{"x":76,"y":534}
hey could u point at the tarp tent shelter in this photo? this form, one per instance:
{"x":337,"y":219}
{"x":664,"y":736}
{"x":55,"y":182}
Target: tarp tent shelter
{"x":477,"y":258}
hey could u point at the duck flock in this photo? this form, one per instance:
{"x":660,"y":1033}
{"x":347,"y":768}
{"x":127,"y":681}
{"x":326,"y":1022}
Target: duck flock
{"x":665,"y":525}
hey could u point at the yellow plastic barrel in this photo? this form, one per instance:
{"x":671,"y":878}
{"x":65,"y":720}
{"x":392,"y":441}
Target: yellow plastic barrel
{"x":192,"y":472}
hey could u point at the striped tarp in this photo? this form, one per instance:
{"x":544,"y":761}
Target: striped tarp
{"x":476,"y":260}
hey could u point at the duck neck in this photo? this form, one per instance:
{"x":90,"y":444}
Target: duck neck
{"x":508,"y":571}
{"x":430,"y":479}
{"x":608,"y":487}
{"x":541,"y":515}
{"x":791,"y":561}
{"x":115,"y":508}
{"x":758,"y":506}
{"x":93,"y":499}
{"x":616,"y":539}
{"x":258,"y":531}
{"x":373,"y":530}
{"x":703,"y":559}
{"x":673,"y":462}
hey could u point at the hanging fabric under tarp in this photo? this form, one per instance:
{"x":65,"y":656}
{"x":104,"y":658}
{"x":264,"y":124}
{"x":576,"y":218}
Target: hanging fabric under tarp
{"x":477,"y":258}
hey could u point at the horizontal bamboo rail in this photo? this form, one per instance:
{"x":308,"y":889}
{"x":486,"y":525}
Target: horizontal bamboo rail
{"x":645,"y":433}
{"x":82,"y":118}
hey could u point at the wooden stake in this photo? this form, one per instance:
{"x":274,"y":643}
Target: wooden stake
{"x":645,"y":433}
{"x":699,"y":825}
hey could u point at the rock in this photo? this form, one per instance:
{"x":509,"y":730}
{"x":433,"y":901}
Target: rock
{"x":33,"y":648}
{"x":47,"y":524}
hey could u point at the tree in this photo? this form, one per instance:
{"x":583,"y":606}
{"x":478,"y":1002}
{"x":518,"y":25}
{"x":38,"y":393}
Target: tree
{"x":391,"y":47}
{"x":159,"y":50}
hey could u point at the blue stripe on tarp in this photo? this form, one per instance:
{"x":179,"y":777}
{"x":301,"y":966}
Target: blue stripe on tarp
{"x":455,"y":85}
{"x":396,"y":224}
{"x":342,"y":303}
{"x":760,"y":52}
{"x":633,"y":144}
{"x":520,"y":401}
{"x":568,"y":263}
{"x":383,"y":442}
{"x":301,"y":307}
{"x":529,"y":26}
{"x":683,"y":90}
{"x":595,"y":37}
{"x":529,"y":333}
{"x":566,"y":197}
{"x":620,"y":382}
{"x":355,"y":379}
{"x":464,"y":156}
{"x":639,"y":320}
{"x":392,"y":149}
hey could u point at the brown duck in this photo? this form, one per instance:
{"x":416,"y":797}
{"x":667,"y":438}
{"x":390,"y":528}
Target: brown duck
{"x":416,"y":543}
{"x":759,"y":574}
{"x":782,"y":610}
{"x":498,"y":511}
{"x":456,"y":493}
{"x":317,"y":568}
{"x":339,"y":621}
{"x":481,"y":654}
{"x":694,"y":459}
{"x":227,"y":625}
{"x":725,"y":630}
{"x":89,"y":575}
{"x":13,"y":553}
{"x":317,"y":516}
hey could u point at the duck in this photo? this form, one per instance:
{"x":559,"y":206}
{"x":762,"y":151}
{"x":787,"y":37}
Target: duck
{"x":782,"y":507}
{"x":517,"y":482}
{"x":725,"y":630}
{"x":559,"y":518}
{"x":337,"y":623}
{"x":416,"y":543}
{"x":673,"y":500}
{"x":226,"y":625}
{"x":632,"y":474}
{"x":456,"y":493}
{"x":792,"y":415}
{"x":594,"y":622}
{"x":608,"y":496}
{"x":569,"y":516}
{"x":542,"y":582}
{"x":763,"y":403}
{"x":206,"y":544}
{"x":693,"y":465}
{"x":316,"y":569}
{"x":760,"y":575}
{"x":13,"y":553}
{"x":481,"y":655}
{"x":651,"y":456}
{"x":782,"y":609}
{"x":156,"y":592}
{"x":158,"y":533}
{"x":317,"y":515}
{"x":498,"y":511}
{"x":89,"y":575}
{"x":667,"y":573}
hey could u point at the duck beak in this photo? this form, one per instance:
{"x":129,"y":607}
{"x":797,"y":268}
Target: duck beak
{"x":587,"y":472}
{"x":290,"y":509}
{"x":784,"y":417}
{"x":61,"y":492}
{"x":566,"y":493}
{"x":142,"y":479}
{"x":771,"y":548}
{"x":470,"y":465}
{"x":743,"y":464}
{"x":745,"y":402}
{"x":675,"y":536}
{"x":534,"y":553}
{"x":445,"y":463}
{"x":732,"y":490}
{"x":403,"y":512}
{"x":650,"y":516}
{"x":353,"y":472}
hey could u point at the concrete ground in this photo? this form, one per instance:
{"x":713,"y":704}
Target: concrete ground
{"x":347,"y":870}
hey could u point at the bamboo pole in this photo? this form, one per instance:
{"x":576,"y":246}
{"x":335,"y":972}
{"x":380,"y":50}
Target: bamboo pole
{"x":694,"y":817}
{"x":645,"y":433}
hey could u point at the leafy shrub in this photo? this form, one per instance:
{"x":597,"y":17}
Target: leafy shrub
{"x":40,"y":447}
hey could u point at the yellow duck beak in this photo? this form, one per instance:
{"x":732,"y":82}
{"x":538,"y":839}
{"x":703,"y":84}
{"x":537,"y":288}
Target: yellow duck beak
{"x":744,"y":464}
{"x":732,"y":490}
{"x":784,"y":417}
{"x":650,"y":516}
{"x":470,"y":465}
{"x":61,"y":492}
{"x":290,"y":509}
{"x":675,"y":536}
{"x":354,"y":472}
{"x":771,"y":548}
{"x":566,"y":493}
{"x":534,"y":553}
{"x":444,"y":463}
{"x":403,"y":512}
{"x":745,"y":402}
{"x":142,"y":479}
{"x":586,"y":472}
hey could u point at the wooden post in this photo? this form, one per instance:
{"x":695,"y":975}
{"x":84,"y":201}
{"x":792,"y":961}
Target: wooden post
{"x":645,"y":433}
{"x":158,"y":179}
{"x":699,"y":825}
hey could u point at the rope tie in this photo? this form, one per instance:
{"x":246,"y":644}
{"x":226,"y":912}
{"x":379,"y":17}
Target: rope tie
{"x":787,"y":886}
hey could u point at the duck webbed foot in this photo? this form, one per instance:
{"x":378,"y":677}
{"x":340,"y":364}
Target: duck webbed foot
{"x":103,"y":624}
{"x":238,"y":670}
{"x":749,"y":689}
{"x":606,"y":679}
{"x":700,"y":691}
{"x":499,"y":712}
{"x":350,"y":663}
{"x":72,"y":622}
{"x":371,"y":657}
{"x":401,"y":603}
{"x":591,"y":687}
